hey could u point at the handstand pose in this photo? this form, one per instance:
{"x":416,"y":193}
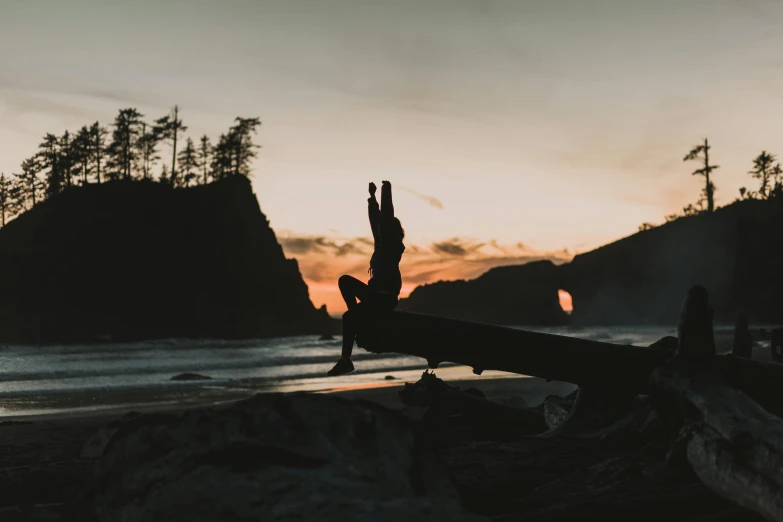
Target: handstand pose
{"x":380,"y":294}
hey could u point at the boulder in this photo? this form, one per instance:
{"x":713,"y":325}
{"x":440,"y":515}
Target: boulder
{"x":272,"y":457}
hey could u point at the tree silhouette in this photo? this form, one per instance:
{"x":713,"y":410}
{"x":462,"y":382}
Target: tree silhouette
{"x":705,"y":192}
{"x":49,"y":159}
{"x":702,"y":153}
{"x":764,"y":170}
{"x":188,"y":163}
{"x":66,"y":159}
{"x":30,"y":184}
{"x":98,"y":134}
{"x":17,"y":195}
{"x":691,"y":210}
{"x":777,"y":177}
{"x":80,"y":153}
{"x":5,"y":199}
{"x":168,"y":128}
{"x":204,"y":153}
{"x":243,"y":150}
{"x":81,"y":148}
{"x":122,"y":152}
{"x":221,"y":158}
{"x":147,"y":145}
{"x":78,"y":158}
{"x":164,"y":176}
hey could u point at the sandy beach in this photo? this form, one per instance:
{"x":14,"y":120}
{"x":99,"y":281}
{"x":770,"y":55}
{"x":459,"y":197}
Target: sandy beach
{"x":44,"y":462}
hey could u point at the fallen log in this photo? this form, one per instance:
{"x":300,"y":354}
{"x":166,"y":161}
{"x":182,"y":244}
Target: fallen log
{"x":733,"y":445}
{"x":489,"y":347}
{"x":625,"y":369}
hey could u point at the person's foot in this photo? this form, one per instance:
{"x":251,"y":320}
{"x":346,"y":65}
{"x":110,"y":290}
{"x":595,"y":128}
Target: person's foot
{"x":342,"y":367}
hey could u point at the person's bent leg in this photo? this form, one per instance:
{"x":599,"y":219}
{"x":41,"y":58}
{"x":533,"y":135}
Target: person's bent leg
{"x":349,"y":334}
{"x":344,"y":364}
{"x":351,"y":289}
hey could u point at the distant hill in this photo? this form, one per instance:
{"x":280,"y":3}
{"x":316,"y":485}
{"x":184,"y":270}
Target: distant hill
{"x":736,"y":252}
{"x":140,"y":260}
{"x":521,"y":294}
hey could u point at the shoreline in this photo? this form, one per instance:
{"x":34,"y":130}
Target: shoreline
{"x":48,"y":456}
{"x":373,"y":381}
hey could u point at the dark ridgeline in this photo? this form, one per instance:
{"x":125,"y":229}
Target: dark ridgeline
{"x":636,"y":280}
{"x":128,"y":255}
{"x":734,"y":250}
{"x":511,"y":295}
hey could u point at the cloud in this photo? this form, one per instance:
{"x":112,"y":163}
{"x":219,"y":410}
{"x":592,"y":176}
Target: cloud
{"x":430,"y":200}
{"x":303,"y":245}
{"x":457,"y":247}
{"x":323,"y":260}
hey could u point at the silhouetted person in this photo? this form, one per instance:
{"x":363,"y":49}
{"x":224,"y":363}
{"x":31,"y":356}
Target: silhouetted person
{"x":743,"y":343}
{"x":381,"y":293}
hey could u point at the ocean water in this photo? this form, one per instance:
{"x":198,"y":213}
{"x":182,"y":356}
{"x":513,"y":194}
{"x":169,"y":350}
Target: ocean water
{"x":37,"y":380}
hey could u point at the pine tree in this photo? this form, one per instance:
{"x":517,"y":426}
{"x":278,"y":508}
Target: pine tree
{"x":66,"y":158}
{"x":764,"y":170}
{"x":168,"y":128}
{"x":204,"y":153}
{"x":98,"y":134}
{"x":148,"y":153}
{"x":221,"y":158}
{"x":702,"y":153}
{"x":188,"y":163}
{"x":29,"y":181}
{"x":777,"y":178}
{"x":122,"y":152}
{"x":243,"y":150}
{"x":5,"y":199}
{"x":81,"y":152}
{"x":48,"y":158}
{"x":17,"y":194}
{"x":164,"y":175}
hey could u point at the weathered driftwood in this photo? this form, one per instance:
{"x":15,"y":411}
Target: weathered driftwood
{"x":592,"y":410}
{"x":733,"y":445}
{"x":593,"y":364}
{"x":499,"y":469}
{"x":430,"y":391}
{"x":454,"y":414}
{"x":556,"y":410}
{"x":488,"y":347}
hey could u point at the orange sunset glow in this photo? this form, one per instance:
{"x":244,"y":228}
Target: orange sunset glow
{"x":566,"y":302}
{"x":322,"y":261}
{"x":504,"y":144}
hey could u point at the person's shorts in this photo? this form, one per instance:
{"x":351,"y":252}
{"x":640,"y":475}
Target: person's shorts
{"x":378,"y":303}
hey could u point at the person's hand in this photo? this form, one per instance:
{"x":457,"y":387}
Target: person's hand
{"x":373,"y":188}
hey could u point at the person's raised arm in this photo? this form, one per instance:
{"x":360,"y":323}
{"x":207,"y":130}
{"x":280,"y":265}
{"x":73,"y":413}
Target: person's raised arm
{"x":373,"y":211}
{"x":387,"y":207}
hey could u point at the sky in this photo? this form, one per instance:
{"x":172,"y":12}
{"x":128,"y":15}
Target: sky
{"x":511,"y":130}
